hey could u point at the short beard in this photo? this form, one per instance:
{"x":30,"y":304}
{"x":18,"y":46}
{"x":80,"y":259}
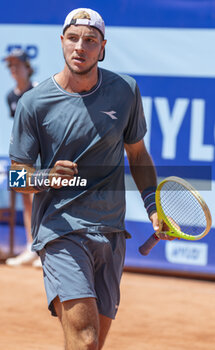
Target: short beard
{"x":86,"y":71}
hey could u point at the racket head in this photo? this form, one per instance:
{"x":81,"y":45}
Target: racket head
{"x":187,"y":202}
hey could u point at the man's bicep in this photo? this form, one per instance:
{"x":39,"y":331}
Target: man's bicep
{"x":24,"y":142}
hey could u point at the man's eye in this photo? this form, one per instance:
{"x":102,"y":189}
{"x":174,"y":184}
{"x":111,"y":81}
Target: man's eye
{"x":72,"y":38}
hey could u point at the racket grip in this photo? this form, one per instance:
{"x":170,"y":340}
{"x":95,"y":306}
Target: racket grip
{"x":145,"y":248}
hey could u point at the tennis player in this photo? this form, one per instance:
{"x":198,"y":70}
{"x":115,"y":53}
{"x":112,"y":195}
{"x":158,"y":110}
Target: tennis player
{"x":79,"y":121}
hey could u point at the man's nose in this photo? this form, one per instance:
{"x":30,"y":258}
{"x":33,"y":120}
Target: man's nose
{"x":79,"y":45}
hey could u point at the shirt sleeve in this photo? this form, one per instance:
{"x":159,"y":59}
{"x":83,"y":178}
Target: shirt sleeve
{"x":136,"y":127}
{"x":24,"y":142}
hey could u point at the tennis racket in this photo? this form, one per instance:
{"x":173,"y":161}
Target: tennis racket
{"x":182,"y":209}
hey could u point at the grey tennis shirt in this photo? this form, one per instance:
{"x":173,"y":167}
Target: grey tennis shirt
{"x":88,"y":128}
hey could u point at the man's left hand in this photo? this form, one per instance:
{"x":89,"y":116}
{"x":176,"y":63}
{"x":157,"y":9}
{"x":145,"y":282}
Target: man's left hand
{"x":160,"y":226}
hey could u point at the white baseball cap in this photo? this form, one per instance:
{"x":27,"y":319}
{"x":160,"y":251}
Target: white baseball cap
{"x":90,"y":18}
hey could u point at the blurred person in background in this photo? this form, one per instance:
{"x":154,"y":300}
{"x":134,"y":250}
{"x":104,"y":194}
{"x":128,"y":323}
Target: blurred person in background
{"x":20,"y":69}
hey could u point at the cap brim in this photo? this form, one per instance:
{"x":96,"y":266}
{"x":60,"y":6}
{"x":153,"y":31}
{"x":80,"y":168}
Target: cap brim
{"x":11,"y":58}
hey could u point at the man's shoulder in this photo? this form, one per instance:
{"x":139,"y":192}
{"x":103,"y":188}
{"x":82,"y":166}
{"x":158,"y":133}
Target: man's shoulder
{"x":118,"y":78}
{"x":35,"y":94}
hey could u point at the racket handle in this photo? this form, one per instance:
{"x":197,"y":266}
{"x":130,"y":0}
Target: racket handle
{"x":145,"y":248}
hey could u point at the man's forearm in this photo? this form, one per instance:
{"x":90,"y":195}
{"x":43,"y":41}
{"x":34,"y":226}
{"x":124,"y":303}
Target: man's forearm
{"x":142,"y":168}
{"x":143,"y":173}
{"x":29,"y":172}
{"x":145,"y":179}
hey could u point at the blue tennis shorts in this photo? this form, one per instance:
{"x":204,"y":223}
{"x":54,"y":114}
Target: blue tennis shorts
{"x":85,"y":265}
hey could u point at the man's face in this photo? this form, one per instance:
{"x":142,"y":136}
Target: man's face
{"x":82,"y":48}
{"x":17,"y":68}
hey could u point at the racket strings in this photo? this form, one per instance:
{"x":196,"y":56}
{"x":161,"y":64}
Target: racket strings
{"x":182,"y":208}
{"x":187,"y":214}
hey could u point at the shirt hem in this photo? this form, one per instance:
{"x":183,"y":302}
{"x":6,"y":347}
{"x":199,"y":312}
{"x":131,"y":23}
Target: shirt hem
{"x":93,"y":229}
{"x":19,"y":160}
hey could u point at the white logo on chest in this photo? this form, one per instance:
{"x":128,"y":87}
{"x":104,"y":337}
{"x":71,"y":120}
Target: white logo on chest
{"x":110,"y":114}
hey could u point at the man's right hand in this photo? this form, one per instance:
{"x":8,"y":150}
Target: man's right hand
{"x":63,"y":169}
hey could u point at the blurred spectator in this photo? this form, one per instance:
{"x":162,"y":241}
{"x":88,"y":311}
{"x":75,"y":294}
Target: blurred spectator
{"x":20,"y":69}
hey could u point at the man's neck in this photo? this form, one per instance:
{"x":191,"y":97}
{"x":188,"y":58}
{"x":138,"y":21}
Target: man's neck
{"x":22,"y":86}
{"x":77,"y":83}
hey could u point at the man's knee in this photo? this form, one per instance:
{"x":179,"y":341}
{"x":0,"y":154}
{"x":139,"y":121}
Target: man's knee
{"x":86,"y":338}
{"x":89,"y":337}
{"x":80,"y":322}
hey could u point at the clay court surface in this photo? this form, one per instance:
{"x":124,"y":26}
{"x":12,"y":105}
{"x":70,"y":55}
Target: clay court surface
{"x":156,"y":313}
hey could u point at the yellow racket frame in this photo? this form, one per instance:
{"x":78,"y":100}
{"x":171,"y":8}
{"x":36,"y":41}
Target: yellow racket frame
{"x":161,"y":215}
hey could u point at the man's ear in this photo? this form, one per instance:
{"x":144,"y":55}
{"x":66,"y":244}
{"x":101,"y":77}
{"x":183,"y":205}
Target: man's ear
{"x":102,"y":53}
{"x":61,"y":38}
